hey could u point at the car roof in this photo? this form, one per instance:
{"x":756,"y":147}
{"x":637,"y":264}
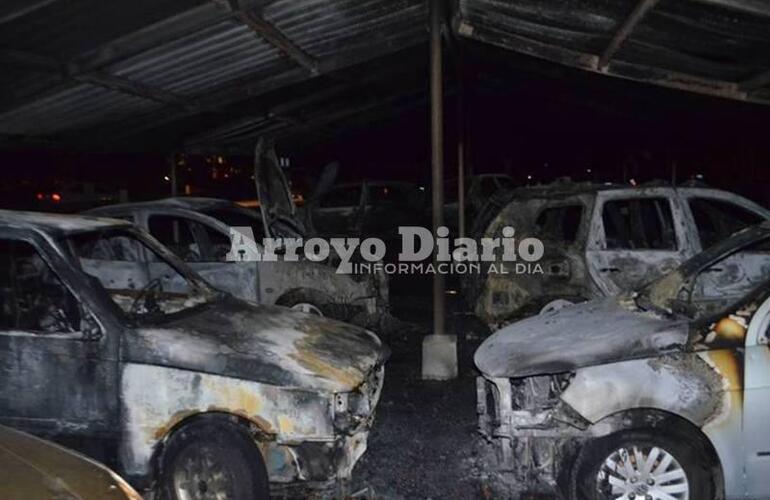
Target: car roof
{"x":194,"y":203}
{"x":56,"y":223}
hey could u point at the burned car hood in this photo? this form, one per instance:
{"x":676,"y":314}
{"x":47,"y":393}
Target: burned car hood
{"x":591,"y":333}
{"x":265,"y":344}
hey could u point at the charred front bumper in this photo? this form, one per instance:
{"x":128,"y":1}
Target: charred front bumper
{"x":531,"y":428}
{"x":321,"y":462}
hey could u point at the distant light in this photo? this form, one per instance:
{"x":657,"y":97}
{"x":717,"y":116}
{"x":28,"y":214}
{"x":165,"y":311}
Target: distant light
{"x":529,"y":177}
{"x":699,"y":177}
{"x":422,"y":188}
{"x":166,"y":178}
{"x":588,"y":170}
{"x":39,"y":196}
{"x":451,"y":292}
{"x":56,"y":197}
{"x":632,"y":182}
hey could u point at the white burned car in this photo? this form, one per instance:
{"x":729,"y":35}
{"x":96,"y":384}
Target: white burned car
{"x":201,"y":232}
{"x":600,"y":240}
{"x":660,"y":394}
{"x":110,"y":343}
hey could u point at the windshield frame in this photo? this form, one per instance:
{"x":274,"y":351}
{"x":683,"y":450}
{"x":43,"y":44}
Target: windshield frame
{"x":661,"y":292}
{"x":198,"y":286}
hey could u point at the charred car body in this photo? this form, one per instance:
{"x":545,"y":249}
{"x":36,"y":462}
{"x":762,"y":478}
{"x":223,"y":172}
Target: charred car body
{"x":661,"y":393}
{"x":600,"y":240}
{"x":200,"y":231}
{"x":108,"y":337}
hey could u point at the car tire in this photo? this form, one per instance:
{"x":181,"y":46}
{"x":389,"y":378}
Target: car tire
{"x":670,"y":463}
{"x":212,"y":456}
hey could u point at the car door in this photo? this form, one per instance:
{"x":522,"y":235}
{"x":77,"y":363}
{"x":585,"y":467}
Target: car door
{"x":717,"y":216}
{"x":202,"y":244}
{"x":635,"y":237}
{"x":58,"y":367}
{"x":756,"y":405}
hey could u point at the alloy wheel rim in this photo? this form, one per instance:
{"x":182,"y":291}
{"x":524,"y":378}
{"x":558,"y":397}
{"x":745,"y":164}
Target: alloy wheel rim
{"x":642,"y":473}
{"x":201,"y":475}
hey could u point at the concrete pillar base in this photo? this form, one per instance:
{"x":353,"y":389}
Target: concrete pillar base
{"x":439,"y":357}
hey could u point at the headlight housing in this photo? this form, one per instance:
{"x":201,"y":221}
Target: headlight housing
{"x":356,"y":408}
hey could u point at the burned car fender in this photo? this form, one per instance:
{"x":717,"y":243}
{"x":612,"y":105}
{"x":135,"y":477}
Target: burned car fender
{"x":703,"y":388}
{"x":158,"y":399}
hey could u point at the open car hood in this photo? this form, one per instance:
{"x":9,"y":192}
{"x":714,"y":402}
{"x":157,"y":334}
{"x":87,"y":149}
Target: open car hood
{"x":273,"y":192}
{"x":265,"y":344}
{"x":591,"y":333}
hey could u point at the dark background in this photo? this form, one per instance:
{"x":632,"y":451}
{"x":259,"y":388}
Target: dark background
{"x":520,"y":118}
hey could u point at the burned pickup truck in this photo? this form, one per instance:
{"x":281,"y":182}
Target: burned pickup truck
{"x":110,"y":341}
{"x":600,"y":240}
{"x":662,"y":393}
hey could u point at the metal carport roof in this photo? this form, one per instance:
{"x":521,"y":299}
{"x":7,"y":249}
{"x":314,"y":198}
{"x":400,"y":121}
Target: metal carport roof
{"x":212,"y":75}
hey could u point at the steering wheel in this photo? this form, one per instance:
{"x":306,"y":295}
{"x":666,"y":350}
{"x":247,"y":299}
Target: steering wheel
{"x":146,"y":297}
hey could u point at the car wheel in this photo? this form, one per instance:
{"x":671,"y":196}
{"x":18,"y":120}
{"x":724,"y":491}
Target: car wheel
{"x":306,"y":307}
{"x":213,"y":459}
{"x":641,"y":465}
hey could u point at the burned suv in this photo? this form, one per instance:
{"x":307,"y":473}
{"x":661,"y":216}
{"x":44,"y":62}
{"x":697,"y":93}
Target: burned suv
{"x":109,"y":341}
{"x":662,"y":393}
{"x":600,"y":240}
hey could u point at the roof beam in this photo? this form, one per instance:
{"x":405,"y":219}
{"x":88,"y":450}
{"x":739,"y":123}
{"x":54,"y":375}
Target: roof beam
{"x":619,"y":69}
{"x":250,"y":86}
{"x":274,"y":36}
{"x":23,"y":11}
{"x":625,"y":30}
{"x":99,"y":78}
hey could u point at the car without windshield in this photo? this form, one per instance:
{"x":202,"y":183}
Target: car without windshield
{"x":108,"y":339}
{"x":598,"y":240}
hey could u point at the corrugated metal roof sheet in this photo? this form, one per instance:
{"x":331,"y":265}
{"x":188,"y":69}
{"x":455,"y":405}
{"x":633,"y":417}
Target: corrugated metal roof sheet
{"x":326,"y":27}
{"x":192,"y":64}
{"x":71,"y":109}
{"x":196,"y":63}
{"x":706,"y":46}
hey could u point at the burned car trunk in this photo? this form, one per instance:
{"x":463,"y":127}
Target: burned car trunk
{"x":650,"y":393}
{"x":142,"y":355}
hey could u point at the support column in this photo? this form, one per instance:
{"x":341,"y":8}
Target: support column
{"x":439,"y":351}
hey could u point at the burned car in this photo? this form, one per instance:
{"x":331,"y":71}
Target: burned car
{"x":31,"y":468}
{"x":600,"y":240}
{"x":109,"y":339}
{"x":365,"y":209}
{"x":200,"y":232}
{"x":661,"y":393}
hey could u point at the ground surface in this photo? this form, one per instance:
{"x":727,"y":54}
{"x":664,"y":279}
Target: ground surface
{"x":424,"y":443}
